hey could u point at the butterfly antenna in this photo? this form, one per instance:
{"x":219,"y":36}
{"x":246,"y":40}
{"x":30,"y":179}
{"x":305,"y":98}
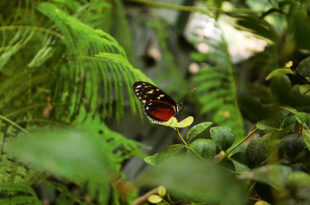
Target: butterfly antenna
{"x":190,"y":92}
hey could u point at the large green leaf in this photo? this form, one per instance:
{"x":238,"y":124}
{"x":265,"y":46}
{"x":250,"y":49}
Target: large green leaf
{"x":275,"y":175}
{"x":69,"y":154}
{"x":200,"y":181}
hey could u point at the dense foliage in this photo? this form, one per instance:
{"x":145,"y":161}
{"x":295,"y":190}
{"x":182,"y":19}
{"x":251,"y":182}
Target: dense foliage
{"x":70,"y":131}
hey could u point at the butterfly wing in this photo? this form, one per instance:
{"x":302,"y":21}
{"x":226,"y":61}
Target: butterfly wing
{"x":158,"y":111}
{"x":156,"y":103}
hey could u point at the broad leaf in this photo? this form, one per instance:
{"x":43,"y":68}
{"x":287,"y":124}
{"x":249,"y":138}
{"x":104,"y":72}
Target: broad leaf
{"x":206,"y":148}
{"x":222,"y":136}
{"x":306,"y":136}
{"x":303,"y":67}
{"x":169,"y":151}
{"x":197,"y":129}
{"x":277,"y":72}
{"x":299,"y":179}
{"x":275,"y":175}
{"x":201,"y":181}
{"x":68,"y":154}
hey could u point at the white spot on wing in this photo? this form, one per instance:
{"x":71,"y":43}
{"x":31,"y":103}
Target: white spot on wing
{"x":150,"y":92}
{"x":147,"y":108}
{"x":143,"y":101}
{"x":139,"y":97}
{"x":136,"y":90}
{"x":138,"y":86}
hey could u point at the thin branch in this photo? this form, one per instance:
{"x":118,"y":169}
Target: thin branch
{"x":143,"y":199}
{"x":13,"y":123}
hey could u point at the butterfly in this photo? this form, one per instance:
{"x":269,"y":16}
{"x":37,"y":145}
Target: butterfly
{"x":157,"y":105}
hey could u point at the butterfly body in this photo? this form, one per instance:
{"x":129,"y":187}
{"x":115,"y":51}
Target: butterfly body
{"x":157,"y":105}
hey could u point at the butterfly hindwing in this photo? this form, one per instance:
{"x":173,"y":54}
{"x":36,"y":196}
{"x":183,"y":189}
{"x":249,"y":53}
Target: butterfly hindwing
{"x":157,"y":105}
{"x":159,"y":111}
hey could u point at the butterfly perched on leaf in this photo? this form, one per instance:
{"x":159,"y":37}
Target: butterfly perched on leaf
{"x":157,"y":105}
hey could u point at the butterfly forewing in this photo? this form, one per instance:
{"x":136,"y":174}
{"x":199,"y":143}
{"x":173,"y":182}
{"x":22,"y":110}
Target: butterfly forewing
{"x":157,"y":105}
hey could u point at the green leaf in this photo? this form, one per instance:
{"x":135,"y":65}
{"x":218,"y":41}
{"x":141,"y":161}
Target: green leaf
{"x":151,"y":159}
{"x":290,"y":109}
{"x":64,"y":153}
{"x":256,"y":151}
{"x":201,"y":181}
{"x":302,"y":118}
{"x":303,"y":67}
{"x":222,"y":136}
{"x":299,"y":179}
{"x":257,"y":26}
{"x":154,"y":199}
{"x":169,"y":151}
{"x":239,"y":167}
{"x":197,"y":129}
{"x":306,"y":136}
{"x":206,"y":148}
{"x":304,"y":89}
{"x":279,"y":71}
{"x":267,"y":125}
{"x":292,"y":145}
{"x":275,"y":175}
{"x":161,"y":191}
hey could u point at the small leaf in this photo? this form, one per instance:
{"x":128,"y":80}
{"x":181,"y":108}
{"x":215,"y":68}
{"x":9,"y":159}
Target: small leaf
{"x":277,"y":72}
{"x":306,"y":136}
{"x":161,"y":191}
{"x":173,"y":122}
{"x":151,"y":159}
{"x":256,"y":151}
{"x":222,"y":136}
{"x":275,"y":175}
{"x":197,"y":129}
{"x":169,"y":151}
{"x":290,"y":109}
{"x":302,"y":118}
{"x":206,"y":148}
{"x":291,"y":146}
{"x":266,"y":125}
{"x":303,"y":67}
{"x":239,"y":167}
{"x":261,"y":202}
{"x":304,"y":89}
{"x":154,"y":199}
{"x":299,"y":179}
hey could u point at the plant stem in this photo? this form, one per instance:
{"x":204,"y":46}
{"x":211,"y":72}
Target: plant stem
{"x":229,"y":150}
{"x":187,"y":145}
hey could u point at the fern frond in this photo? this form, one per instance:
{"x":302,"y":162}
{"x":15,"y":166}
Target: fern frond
{"x":93,"y":57}
{"x":217,"y":90}
{"x":18,"y":200}
{"x":17,"y":193}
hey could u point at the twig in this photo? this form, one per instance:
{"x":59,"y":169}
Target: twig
{"x":143,"y":198}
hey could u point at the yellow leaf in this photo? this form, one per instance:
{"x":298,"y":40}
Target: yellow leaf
{"x":154,"y":199}
{"x":173,"y":122}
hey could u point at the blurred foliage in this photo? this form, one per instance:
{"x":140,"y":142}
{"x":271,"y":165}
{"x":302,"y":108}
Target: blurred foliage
{"x":66,"y":75}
